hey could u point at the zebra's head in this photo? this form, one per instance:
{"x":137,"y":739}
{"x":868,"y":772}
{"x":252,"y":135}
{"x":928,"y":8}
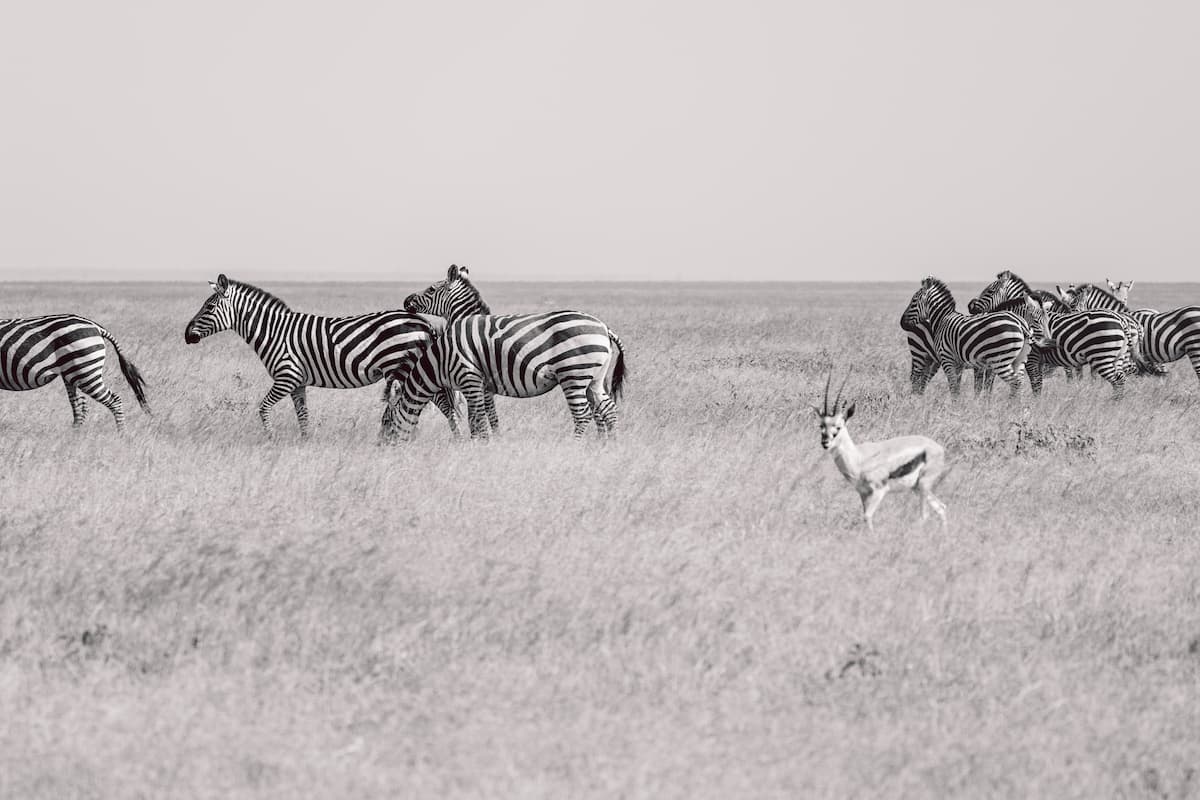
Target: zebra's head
{"x":1120,"y":289}
{"x":1067,"y":295}
{"x":405,"y":395}
{"x":453,"y":298}
{"x":217,"y":313}
{"x":929,"y":304}
{"x":1007,"y":286}
{"x":833,"y":418}
{"x":1039,"y":311}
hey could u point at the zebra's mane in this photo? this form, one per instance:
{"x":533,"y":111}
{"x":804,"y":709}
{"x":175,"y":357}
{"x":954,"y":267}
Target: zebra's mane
{"x":936,"y":283}
{"x":483,"y":306}
{"x":1008,"y":274}
{"x":263,"y":295}
{"x":1016,"y":304}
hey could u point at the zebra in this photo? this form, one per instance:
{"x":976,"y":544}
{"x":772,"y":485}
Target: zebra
{"x":998,"y":341}
{"x":1167,"y":336}
{"x":522,"y":355}
{"x":1105,"y":340}
{"x":454,"y":298}
{"x":36,"y":350}
{"x":301,"y":350}
{"x":999,"y":295}
{"x":922,"y":353}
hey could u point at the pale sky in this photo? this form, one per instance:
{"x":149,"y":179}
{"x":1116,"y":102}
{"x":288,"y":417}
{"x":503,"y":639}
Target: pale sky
{"x":603,"y":140}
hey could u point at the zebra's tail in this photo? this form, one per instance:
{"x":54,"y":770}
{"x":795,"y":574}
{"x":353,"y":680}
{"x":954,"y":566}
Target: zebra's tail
{"x":618,"y":376}
{"x":131,"y":373}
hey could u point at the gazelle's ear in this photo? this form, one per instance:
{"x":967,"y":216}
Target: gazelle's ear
{"x":849,"y":412}
{"x":816,"y":410}
{"x":1032,"y":303}
{"x":1129,"y":286}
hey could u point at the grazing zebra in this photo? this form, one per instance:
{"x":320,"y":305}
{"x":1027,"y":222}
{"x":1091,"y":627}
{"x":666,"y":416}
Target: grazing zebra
{"x":998,"y":341}
{"x":516,"y":356}
{"x":1167,"y":336}
{"x":1106,"y":341}
{"x":37,"y":350}
{"x":302,"y":350}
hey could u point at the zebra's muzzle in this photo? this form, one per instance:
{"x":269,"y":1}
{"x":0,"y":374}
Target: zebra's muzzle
{"x":191,"y":337}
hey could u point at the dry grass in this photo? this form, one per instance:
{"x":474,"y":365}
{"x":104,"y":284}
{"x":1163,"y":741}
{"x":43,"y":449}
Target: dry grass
{"x":692,"y":610}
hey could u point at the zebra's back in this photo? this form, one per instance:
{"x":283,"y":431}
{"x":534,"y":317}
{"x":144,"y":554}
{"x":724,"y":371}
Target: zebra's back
{"x":347,"y":352}
{"x":524,"y":355}
{"x":1170,"y":335}
{"x":983,"y":339}
{"x":37,"y":350}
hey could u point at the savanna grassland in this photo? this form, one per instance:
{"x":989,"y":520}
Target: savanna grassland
{"x":692,"y":610}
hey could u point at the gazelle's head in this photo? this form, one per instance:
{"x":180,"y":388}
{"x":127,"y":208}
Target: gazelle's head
{"x":1120,"y":289}
{"x":1068,"y":294}
{"x":1038,"y":313}
{"x":833,"y":418}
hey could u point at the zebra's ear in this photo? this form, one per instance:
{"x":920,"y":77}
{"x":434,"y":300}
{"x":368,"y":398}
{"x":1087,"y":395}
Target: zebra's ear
{"x":452,"y":273}
{"x":222,"y":284}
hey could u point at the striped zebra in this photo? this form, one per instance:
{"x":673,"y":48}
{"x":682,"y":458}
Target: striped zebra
{"x":35,"y":351}
{"x":454,"y":298}
{"x":301,"y":350}
{"x":998,"y":341}
{"x":522,"y":355}
{"x":1167,"y":336}
{"x":1002,"y":294}
{"x":922,"y":353}
{"x":1106,"y":341}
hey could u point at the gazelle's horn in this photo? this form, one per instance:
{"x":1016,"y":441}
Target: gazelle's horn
{"x":843,"y":386}
{"x":825,"y":408}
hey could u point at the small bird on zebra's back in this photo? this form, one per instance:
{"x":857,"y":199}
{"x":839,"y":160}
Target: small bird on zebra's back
{"x":37,"y":350}
{"x":301,"y":350}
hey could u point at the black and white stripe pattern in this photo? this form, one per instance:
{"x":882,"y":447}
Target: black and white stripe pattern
{"x":302,"y":350}
{"x":516,"y":356}
{"x":1167,"y":336}
{"x":37,"y":350}
{"x":998,"y":341}
{"x":922,"y":353}
{"x":1102,"y":339}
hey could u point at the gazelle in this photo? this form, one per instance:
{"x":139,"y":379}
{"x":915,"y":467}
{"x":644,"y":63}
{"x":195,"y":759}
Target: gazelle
{"x":1120,"y":289}
{"x":875,"y":468}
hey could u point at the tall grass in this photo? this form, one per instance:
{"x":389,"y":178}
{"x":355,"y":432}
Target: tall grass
{"x":691,"y":610}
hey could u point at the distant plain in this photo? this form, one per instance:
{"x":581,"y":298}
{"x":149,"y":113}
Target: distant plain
{"x":691,"y":610}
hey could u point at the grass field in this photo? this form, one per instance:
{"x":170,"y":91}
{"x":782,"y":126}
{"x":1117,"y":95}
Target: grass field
{"x":692,"y":610}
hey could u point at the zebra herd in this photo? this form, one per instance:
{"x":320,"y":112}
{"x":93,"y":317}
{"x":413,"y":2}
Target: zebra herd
{"x":1011,"y":329}
{"x":445,"y":340}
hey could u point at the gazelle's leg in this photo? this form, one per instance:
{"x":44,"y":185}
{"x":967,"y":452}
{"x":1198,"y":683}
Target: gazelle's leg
{"x":870,"y":503}
{"x":299,"y":401}
{"x":938,"y":507}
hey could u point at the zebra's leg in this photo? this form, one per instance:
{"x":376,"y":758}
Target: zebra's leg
{"x":78,"y":404}
{"x":444,"y":400}
{"x":279,"y":390}
{"x":472,"y":388}
{"x":299,"y":400}
{"x":954,"y":377}
{"x":1194,"y":357}
{"x":1036,"y":371}
{"x":1112,"y":372}
{"x":489,"y":401}
{"x":100,"y":393}
{"x":581,"y":409}
{"x":604,"y":409}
